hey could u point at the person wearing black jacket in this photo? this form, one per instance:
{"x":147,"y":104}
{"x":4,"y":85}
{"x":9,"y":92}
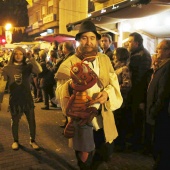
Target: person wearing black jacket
{"x":139,"y":65}
{"x":105,"y":43}
{"x":47,"y":83}
{"x":67,"y":50}
{"x":158,"y":107}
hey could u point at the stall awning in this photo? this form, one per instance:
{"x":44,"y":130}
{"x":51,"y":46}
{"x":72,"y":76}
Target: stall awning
{"x":108,"y":17}
{"x":55,"y":37}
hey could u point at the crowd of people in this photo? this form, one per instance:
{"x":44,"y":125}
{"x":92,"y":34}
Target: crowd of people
{"x":128,"y":107}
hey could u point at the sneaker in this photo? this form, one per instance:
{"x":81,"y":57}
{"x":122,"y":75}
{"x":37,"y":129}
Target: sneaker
{"x":34,"y":145}
{"x":15,"y":146}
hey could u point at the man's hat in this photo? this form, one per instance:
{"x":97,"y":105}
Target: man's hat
{"x":87,"y":26}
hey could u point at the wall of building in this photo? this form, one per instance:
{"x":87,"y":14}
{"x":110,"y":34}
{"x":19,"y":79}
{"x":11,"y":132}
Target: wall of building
{"x":40,"y":17}
{"x":71,"y":11}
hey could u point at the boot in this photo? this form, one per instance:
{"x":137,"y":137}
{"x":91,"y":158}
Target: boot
{"x":84,"y":165}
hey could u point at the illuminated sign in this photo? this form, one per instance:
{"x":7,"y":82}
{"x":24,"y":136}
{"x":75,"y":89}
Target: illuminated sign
{"x":49,"y":18}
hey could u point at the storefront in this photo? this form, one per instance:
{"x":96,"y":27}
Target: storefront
{"x":151,"y":20}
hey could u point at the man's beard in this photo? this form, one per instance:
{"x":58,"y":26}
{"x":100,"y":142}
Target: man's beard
{"x":88,"y":49}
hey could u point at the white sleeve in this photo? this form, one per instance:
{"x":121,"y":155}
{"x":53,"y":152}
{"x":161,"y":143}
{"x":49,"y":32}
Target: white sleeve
{"x":62,"y":94}
{"x":113,"y":90}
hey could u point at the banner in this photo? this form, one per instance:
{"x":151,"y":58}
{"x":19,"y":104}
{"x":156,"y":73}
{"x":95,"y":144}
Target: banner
{"x":8,"y":36}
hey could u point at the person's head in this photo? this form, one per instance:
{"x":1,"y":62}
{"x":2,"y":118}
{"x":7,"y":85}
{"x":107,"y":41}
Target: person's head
{"x":68,"y":47}
{"x":53,"y":55}
{"x":105,"y":41}
{"x":88,"y":37}
{"x":43,"y":55}
{"x":35,"y":50}
{"x":19,"y":55}
{"x":163,"y":49}
{"x":121,"y":54}
{"x":55,"y":45}
{"x":60,"y":50}
{"x":135,"y":41}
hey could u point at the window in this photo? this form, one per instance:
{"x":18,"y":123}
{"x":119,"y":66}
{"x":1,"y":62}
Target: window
{"x":50,"y":6}
{"x":37,"y":16}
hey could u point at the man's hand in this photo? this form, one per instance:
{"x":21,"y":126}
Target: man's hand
{"x":101,"y":97}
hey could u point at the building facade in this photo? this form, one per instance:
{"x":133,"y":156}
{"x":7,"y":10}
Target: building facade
{"x":51,"y":16}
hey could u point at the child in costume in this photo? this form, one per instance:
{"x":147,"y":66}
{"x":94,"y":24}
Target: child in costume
{"x":17,"y":73}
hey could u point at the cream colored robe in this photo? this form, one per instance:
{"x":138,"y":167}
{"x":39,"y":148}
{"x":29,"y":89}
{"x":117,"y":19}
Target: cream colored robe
{"x":108,"y":78}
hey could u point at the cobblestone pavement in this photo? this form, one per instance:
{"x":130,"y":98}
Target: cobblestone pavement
{"x":54,"y":153}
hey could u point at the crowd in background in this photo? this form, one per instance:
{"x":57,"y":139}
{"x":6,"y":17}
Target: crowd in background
{"x":134,"y":68}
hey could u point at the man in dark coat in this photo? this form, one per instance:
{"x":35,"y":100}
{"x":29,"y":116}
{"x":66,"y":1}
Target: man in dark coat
{"x":158,"y":106}
{"x":139,"y":65}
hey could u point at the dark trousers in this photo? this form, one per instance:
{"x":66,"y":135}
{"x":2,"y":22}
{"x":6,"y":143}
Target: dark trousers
{"x":37,"y":85}
{"x":161,"y":142}
{"x":30,"y":116}
{"x":123,"y":124}
{"x":48,"y":93}
{"x":84,"y":165}
{"x":103,"y":150}
{"x":138,"y":119}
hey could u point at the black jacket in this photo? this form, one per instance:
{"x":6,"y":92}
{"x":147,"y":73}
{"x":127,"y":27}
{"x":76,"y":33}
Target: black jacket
{"x":109,"y":53}
{"x":46,"y":77}
{"x":158,"y":96}
{"x":139,"y":65}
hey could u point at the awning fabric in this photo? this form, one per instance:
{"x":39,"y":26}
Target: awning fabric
{"x":56,"y":37}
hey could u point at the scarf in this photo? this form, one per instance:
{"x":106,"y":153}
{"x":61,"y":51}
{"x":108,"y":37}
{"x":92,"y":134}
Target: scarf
{"x":89,"y":56}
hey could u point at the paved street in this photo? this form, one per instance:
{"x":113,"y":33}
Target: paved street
{"x":54,"y":153}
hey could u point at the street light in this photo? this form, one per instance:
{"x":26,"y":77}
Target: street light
{"x":8,"y":33}
{"x":8,"y":26}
